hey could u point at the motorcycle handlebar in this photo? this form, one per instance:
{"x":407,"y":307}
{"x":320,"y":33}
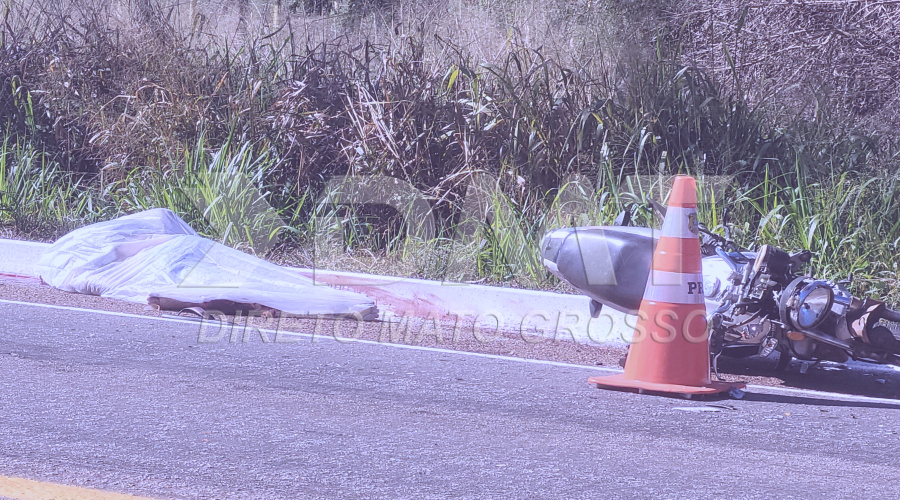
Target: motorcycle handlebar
{"x":728,"y":260}
{"x":722,"y":241}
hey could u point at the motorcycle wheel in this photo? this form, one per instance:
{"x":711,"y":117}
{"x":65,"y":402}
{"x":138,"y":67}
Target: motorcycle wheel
{"x":883,"y":338}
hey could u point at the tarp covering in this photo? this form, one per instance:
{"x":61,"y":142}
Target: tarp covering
{"x":154,"y":257}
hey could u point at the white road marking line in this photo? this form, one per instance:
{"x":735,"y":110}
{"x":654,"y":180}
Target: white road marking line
{"x":452,"y":351}
{"x":94,"y":311}
{"x":789,"y":391}
{"x":341,"y":340}
{"x":757,"y":388}
{"x":28,"y":489}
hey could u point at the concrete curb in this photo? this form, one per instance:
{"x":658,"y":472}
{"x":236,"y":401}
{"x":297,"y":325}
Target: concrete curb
{"x":529,"y":312}
{"x":19,"y":257}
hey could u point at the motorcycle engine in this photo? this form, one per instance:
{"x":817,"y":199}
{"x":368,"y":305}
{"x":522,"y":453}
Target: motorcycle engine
{"x":763,"y":303}
{"x":739,"y":319}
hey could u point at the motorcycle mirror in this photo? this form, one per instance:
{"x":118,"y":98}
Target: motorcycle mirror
{"x":659,"y":207}
{"x":624,"y":218}
{"x":803,"y":256}
{"x":726,"y":220}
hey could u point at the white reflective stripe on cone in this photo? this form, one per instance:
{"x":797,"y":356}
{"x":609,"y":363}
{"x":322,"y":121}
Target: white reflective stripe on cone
{"x":675,"y":288}
{"x":679,"y":222}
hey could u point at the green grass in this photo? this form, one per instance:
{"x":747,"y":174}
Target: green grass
{"x":849,"y":223}
{"x":222,"y":194}
{"x":40,"y":199}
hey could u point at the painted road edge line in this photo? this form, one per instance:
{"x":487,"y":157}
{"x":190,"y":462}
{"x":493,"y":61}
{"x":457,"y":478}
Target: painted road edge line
{"x":29,"y":489}
{"x":340,"y":340}
{"x":756,"y":388}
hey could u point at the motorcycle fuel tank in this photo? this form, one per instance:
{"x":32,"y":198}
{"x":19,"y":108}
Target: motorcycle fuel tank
{"x":610,"y":264}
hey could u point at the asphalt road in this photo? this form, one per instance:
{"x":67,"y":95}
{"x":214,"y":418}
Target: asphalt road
{"x":138,"y":405}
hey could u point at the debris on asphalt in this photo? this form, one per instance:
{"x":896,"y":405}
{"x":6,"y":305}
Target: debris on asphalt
{"x":722,"y":406}
{"x":736,"y":393}
{"x":697,"y":409}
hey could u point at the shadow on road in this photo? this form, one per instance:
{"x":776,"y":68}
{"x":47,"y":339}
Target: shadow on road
{"x":803,"y":400}
{"x":857,"y":379}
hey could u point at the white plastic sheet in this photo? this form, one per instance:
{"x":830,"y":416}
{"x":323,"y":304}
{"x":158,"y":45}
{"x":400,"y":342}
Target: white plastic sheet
{"x":155,"y":257}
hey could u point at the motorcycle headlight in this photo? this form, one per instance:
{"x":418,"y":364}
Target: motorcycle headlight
{"x":812,"y":304}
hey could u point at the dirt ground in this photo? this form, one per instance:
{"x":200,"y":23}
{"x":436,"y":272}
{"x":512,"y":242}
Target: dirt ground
{"x":852,"y":378}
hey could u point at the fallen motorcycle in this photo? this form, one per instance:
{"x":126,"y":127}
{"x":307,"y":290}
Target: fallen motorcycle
{"x":757,"y":302}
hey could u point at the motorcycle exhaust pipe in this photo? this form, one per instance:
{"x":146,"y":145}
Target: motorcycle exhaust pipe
{"x":889,"y":358}
{"x":825,"y":339}
{"x":890,"y":315}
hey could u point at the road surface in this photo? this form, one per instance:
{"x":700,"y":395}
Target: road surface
{"x":138,"y":405}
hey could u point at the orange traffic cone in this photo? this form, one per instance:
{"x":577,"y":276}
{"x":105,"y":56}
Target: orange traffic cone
{"x":670,"y":349}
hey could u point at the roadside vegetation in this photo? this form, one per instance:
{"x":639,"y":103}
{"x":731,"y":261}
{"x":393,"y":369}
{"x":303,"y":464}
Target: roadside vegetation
{"x":508,"y":118}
